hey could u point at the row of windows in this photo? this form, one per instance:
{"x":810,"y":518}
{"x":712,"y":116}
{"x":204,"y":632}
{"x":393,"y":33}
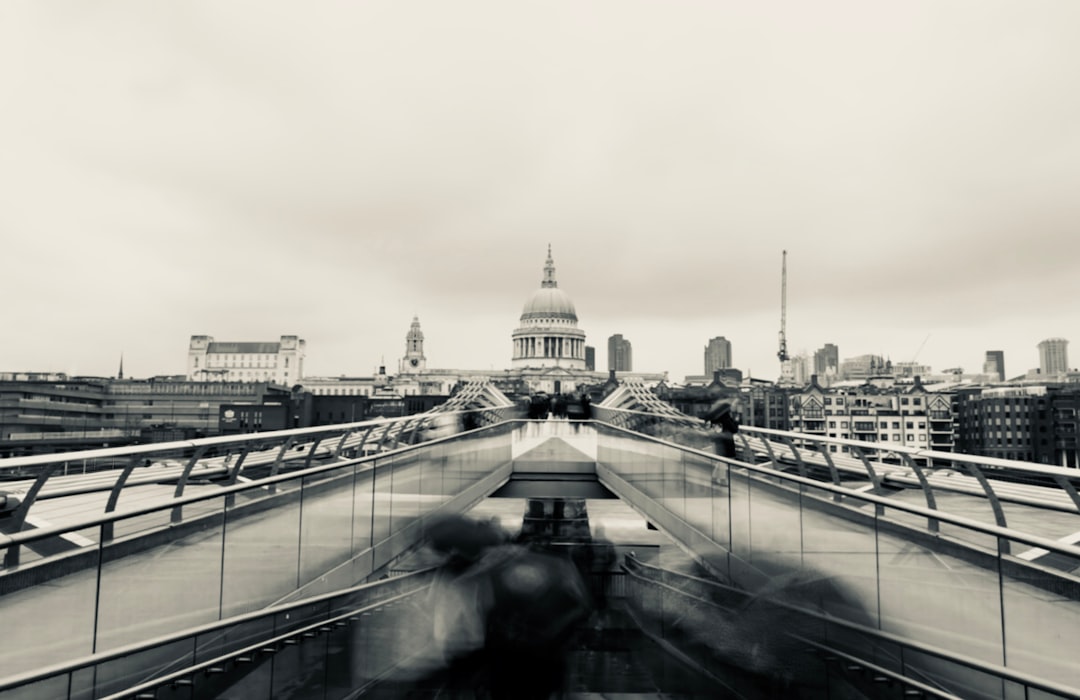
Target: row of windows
{"x":869,"y":425}
{"x":883,"y":437}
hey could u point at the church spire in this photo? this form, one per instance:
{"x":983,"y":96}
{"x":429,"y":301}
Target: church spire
{"x":120,"y":374}
{"x":549,"y":271}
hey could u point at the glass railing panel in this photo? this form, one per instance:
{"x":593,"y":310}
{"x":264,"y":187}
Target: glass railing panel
{"x":721,"y":504}
{"x":965,"y":681}
{"x":363,"y":507}
{"x":406,"y":506}
{"x":774,"y":527}
{"x":840,"y":544}
{"x":24,"y":609}
{"x":384,"y":495}
{"x":262,"y":548}
{"x":739,"y":490}
{"x":674,"y":487}
{"x":942,"y":593}
{"x":148,"y":592}
{"x":115,"y":675}
{"x":700,"y":492}
{"x":1041,"y":600}
{"x":55,"y":688}
{"x":325,"y":521}
{"x":384,"y":637}
{"x":434,"y":479}
{"x":219,"y":642}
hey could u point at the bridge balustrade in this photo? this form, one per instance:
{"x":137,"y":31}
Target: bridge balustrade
{"x":141,"y":572}
{"x":872,"y":561}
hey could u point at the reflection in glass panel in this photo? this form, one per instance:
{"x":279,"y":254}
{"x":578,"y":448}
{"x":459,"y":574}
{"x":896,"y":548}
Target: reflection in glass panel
{"x":674,"y":484}
{"x":1041,"y":595}
{"x":326,"y":522}
{"x":177,"y":584}
{"x":739,"y":489}
{"x":115,"y":675}
{"x":28,"y":610}
{"x":405,"y":507}
{"x":699,"y":492}
{"x":840,"y":542}
{"x":363,"y":504}
{"x":262,"y":549}
{"x":941,"y":592}
{"x":775,"y":528}
{"x":380,"y":517}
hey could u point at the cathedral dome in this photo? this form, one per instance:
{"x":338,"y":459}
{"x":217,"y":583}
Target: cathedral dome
{"x":548,"y":335}
{"x":549,"y":302}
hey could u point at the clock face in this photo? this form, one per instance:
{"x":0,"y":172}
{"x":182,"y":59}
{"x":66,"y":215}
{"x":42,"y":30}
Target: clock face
{"x":414,"y":362}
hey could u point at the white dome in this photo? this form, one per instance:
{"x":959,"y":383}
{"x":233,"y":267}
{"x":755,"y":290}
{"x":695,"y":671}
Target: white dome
{"x":549,"y":302}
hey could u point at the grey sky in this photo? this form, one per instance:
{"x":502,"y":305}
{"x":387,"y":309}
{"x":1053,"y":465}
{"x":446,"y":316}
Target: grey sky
{"x":248,"y":169}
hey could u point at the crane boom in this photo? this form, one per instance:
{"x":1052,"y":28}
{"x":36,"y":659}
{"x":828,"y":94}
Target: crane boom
{"x":782,"y":354}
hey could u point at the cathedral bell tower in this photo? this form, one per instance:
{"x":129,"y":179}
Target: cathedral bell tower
{"x":414,"y":360}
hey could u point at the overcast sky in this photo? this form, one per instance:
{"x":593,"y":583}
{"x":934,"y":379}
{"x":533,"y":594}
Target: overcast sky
{"x":252,"y":169}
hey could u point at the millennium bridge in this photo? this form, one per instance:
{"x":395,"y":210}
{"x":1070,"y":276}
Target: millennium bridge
{"x":292,"y":564}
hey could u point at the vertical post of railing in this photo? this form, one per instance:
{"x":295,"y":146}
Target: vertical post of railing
{"x":798,"y":457}
{"x":834,"y":473}
{"x":18,"y":516}
{"x":875,"y":480}
{"x":114,"y":495}
{"x":1067,"y":487}
{"x":991,"y":496}
{"x":311,"y":452}
{"x":928,"y":492}
{"x":341,"y":443}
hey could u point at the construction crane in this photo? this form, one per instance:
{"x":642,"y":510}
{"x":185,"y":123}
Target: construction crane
{"x":782,"y":354}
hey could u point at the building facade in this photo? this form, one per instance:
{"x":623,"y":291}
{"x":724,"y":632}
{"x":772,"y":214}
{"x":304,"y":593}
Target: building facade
{"x":280,"y":362}
{"x":620,"y":354}
{"x":717,"y":355}
{"x":994,"y":366}
{"x":1053,"y":356}
{"x":826,"y":360}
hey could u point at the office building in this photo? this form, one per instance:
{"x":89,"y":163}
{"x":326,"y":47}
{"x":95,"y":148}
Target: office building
{"x":995,"y":364}
{"x":620,"y":357}
{"x":1053,"y":356}
{"x":590,"y":358}
{"x":717,"y":355}
{"x":826,"y":360}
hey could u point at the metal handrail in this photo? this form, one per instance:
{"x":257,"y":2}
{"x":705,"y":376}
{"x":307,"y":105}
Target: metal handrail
{"x":959,"y":520}
{"x":1062,"y":477}
{"x":26,"y":536}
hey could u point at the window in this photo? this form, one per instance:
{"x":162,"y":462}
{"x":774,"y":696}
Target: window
{"x":910,"y":426}
{"x":884,"y":437}
{"x":904,"y":401}
{"x":910,"y":437}
{"x":839,"y":400}
{"x":832,"y":424}
{"x":916,"y":401}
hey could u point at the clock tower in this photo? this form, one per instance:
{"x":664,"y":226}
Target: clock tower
{"x":414,"y":360}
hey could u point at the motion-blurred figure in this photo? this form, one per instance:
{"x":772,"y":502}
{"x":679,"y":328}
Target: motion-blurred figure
{"x":503,"y":614}
{"x":721,"y":414}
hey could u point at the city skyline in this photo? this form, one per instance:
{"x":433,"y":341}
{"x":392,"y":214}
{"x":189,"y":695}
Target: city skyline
{"x":204,"y":169}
